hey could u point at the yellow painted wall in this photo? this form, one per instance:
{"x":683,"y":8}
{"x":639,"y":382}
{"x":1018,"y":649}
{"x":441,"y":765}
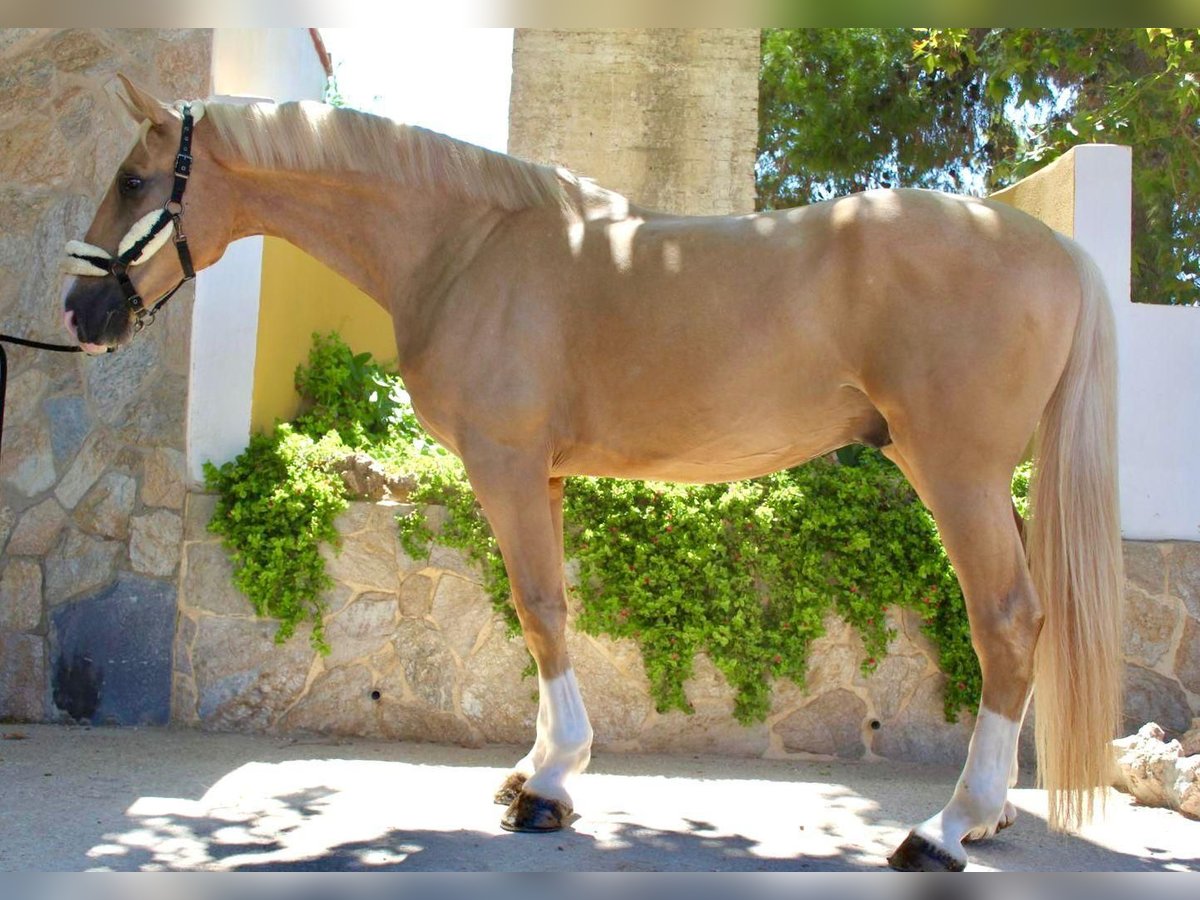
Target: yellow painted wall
{"x":300,"y":296}
{"x":1048,"y":194}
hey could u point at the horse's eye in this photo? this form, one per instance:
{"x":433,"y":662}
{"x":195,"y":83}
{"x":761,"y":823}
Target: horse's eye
{"x":130,"y":184}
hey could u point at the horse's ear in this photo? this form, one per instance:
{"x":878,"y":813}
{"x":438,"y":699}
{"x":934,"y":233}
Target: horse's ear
{"x":141,"y":105}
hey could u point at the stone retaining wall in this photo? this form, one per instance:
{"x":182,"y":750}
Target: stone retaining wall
{"x":417,"y":654}
{"x":91,"y":478}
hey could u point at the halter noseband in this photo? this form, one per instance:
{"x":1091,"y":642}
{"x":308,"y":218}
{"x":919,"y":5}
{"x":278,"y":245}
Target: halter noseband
{"x":146,"y":236}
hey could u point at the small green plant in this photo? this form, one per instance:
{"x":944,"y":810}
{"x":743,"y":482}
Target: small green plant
{"x":745,"y":572}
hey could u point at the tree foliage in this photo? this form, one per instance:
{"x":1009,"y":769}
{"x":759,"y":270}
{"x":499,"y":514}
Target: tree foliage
{"x":976,"y":109}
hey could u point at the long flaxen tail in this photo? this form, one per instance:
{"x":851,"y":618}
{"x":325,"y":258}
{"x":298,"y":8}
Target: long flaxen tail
{"x":1073,"y":543}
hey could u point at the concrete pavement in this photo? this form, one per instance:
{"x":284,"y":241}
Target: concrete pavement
{"x":132,"y":799}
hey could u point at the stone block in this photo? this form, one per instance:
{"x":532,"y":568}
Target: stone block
{"x":495,"y":697}
{"x":69,"y":426}
{"x":831,"y":725}
{"x":25,"y":392}
{"x":462,"y":611}
{"x":1149,"y":627}
{"x":1184,"y":575}
{"x":416,"y":596}
{"x":207,"y":582}
{"x":163,"y":478}
{"x":360,"y":628}
{"x":892,"y":683}
{"x":455,"y":562}
{"x":198,"y":513}
{"x":244,"y":679}
{"x":618,"y":703}
{"x":1145,"y":566}
{"x":107,"y":507}
{"x":428,"y":666}
{"x":80,"y":564}
{"x":1187,"y":657}
{"x":28,"y":463}
{"x":93,"y":458}
{"x":1151,"y":697}
{"x":111,"y":654}
{"x":22,"y":677}
{"x":920,"y":732}
{"x":338,"y":702}
{"x":38,"y":529}
{"x":366,"y":561}
{"x":155,"y":541}
{"x":21,"y":595}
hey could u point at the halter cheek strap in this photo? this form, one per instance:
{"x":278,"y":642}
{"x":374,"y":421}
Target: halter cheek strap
{"x":147,"y":235}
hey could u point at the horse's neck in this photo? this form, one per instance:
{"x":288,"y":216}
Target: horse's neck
{"x":378,"y":236}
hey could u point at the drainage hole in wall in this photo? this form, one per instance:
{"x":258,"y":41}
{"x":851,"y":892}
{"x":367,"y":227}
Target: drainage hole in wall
{"x":375,"y":695}
{"x":876,"y":725}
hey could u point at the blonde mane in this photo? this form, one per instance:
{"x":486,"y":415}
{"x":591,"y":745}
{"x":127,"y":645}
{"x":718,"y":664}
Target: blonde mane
{"x":306,"y":136}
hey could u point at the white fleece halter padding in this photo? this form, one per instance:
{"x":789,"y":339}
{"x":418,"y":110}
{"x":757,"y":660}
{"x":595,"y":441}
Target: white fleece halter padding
{"x":139,"y":230}
{"x":74,"y":264}
{"x":197,"y":109}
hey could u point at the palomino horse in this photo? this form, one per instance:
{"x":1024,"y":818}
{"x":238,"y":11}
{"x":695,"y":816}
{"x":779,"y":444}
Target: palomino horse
{"x":547,"y":327}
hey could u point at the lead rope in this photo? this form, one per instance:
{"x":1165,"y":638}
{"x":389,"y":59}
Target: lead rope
{"x":24,"y":342}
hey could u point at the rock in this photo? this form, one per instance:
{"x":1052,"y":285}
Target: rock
{"x":367,"y":559}
{"x":617,"y":702}
{"x":69,"y":426}
{"x":1184,"y":574}
{"x":244,"y":679}
{"x":495,"y":697}
{"x":8,"y":519}
{"x":892,"y":683}
{"x":416,"y":596}
{"x":366,"y":479}
{"x":428,"y":666}
{"x":1189,"y":744}
{"x":198,"y":513}
{"x":154,"y":543}
{"x":163,"y":478}
{"x":462,"y":611}
{"x":111,"y":654}
{"x":1149,"y":627}
{"x":106,"y":508}
{"x":920,"y":732}
{"x":1157,"y":773}
{"x":361,"y":628}
{"x":94,"y":457}
{"x":455,"y":561}
{"x":21,"y":595}
{"x":207,"y":583}
{"x":22,"y":677}
{"x":25,"y":392}
{"x":1187,"y":657}
{"x":1151,"y":697}
{"x":832,"y":725}
{"x":28,"y":461}
{"x":1145,"y":566}
{"x":79,"y":565}
{"x":81,"y":50}
{"x":38,"y":529}
{"x":338,"y":702}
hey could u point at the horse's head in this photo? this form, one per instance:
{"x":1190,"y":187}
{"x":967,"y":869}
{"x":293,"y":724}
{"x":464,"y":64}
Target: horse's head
{"x":134,"y":253}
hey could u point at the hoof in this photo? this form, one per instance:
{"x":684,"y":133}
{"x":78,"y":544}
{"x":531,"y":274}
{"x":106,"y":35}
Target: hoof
{"x":535,"y":814}
{"x":510,"y":789}
{"x":918,"y":854}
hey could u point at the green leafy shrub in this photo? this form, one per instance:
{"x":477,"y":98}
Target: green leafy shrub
{"x":746,"y":572}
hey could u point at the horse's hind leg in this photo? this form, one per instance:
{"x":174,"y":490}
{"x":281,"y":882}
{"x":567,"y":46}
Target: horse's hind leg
{"x":977,"y":527}
{"x":524,"y":508}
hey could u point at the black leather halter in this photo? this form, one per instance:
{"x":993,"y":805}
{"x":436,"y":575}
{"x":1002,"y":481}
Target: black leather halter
{"x":171,"y":213}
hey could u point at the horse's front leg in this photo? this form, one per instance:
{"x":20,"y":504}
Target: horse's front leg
{"x":524,"y":506}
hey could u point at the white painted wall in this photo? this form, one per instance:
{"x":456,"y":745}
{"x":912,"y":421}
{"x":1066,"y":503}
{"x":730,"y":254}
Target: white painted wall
{"x":1159,"y":363}
{"x":280,"y":64}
